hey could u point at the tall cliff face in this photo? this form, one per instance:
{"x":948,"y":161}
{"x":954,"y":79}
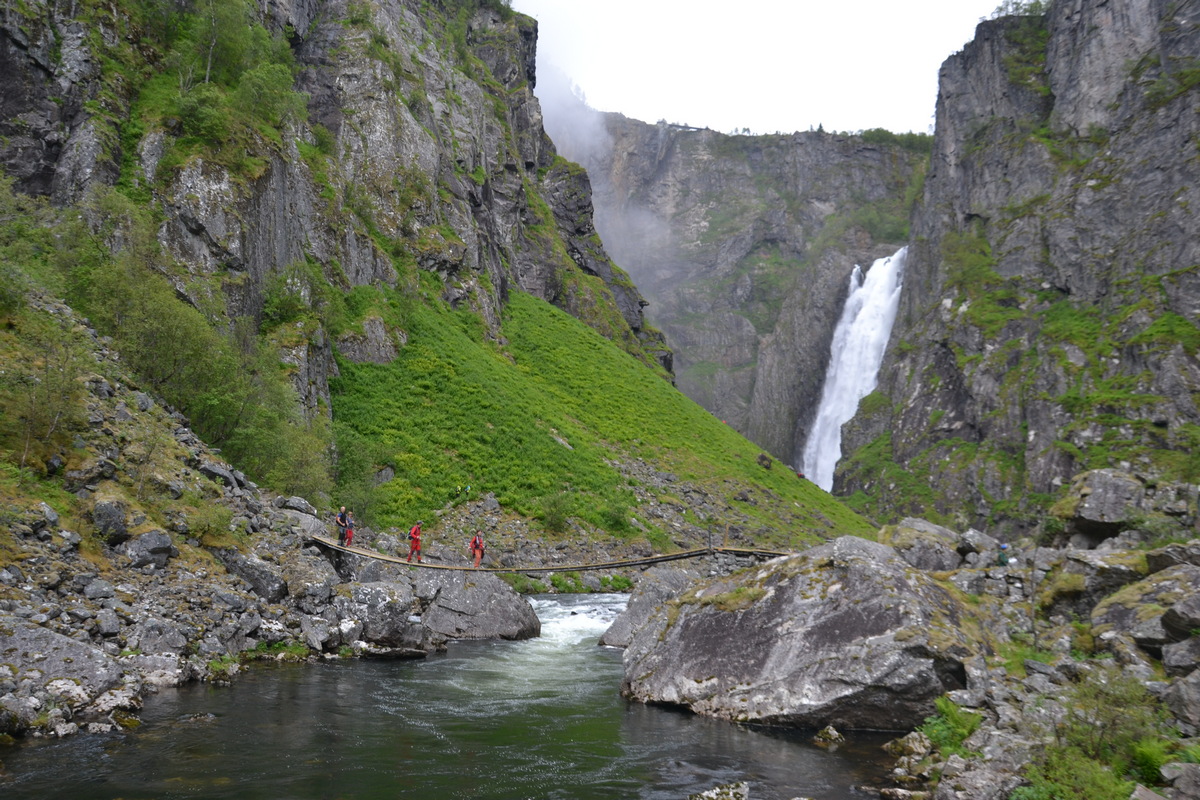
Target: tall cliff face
{"x":1049,"y":317}
{"x":743,"y":246}
{"x":421,"y":152}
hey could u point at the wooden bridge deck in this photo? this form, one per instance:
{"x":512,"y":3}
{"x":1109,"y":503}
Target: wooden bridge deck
{"x":332,"y":544}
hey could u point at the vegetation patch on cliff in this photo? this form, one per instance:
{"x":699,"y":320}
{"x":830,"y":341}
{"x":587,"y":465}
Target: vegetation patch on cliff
{"x":537,"y":417}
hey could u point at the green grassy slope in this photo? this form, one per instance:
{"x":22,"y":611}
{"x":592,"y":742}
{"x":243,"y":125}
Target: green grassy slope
{"x":539,"y":420}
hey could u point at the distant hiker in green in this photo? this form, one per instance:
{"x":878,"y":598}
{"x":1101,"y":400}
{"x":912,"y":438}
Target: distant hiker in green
{"x":340,"y":519}
{"x":414,"y":542}
{"x":476,"y":547}
{"x":1002,"y":556}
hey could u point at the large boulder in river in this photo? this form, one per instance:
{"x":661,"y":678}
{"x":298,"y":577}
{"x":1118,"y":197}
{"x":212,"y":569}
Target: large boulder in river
{"x":655,"y":586}
{"x":846,"y":633}
{"x":464,"y":604}
{"x":383,"y":613}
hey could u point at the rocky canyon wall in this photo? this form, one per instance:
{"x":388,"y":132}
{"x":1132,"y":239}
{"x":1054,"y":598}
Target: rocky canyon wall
{"x":421,"y":151}
{"x":1049,"y":317}
{"x":743,"y":246}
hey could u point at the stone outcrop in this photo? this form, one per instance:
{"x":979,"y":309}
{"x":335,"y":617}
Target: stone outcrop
{"x":1138,"y":609}
{"x":1047,"y":324}
{"x":846,"y":633}
{"x":463,"y":605}
{"x":924,"y":545}
{"x":755,"y":645}
{"x":654,"y":587}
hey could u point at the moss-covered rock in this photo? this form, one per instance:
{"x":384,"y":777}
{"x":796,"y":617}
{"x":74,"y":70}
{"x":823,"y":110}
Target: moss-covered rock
{"x":1137,"y":610}
{"x":846,"y":633}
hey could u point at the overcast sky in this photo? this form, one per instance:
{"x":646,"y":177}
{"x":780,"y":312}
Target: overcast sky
{"x":766,"y":65}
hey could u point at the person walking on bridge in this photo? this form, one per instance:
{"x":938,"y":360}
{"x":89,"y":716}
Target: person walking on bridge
{"x":414,"y":542}
{"x":349,"y":527}
{"x":340,"y":519}
{"x":476,"y":547}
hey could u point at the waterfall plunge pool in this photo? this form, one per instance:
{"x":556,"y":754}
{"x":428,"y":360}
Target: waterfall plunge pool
{"x":536,"y":719}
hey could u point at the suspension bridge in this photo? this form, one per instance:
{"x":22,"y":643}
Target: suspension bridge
{"x":644,"y":561}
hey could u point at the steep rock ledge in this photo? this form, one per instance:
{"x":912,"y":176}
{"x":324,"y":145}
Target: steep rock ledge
{"x":1048,"y":324}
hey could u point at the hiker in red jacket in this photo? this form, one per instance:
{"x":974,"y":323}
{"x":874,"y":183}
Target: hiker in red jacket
{"x":476,"y":547}
{"x":414,"y":542}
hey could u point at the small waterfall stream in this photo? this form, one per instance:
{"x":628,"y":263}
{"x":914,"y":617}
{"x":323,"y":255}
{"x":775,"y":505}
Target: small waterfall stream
{"x":854,"y":357}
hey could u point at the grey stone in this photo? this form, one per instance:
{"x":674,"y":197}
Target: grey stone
{"x":50,"y":515}
{"x":99,"y":589}
{"x":1183,"y":699}
{"x":1134,"y":610}
{"x":973,"y":541}
{"x":157,"y":636}
{"x":375,"y":345}
{"x":1173,"y":554}
{"x":218,"y":472}
{"x":108,"y":517}
{"x":150,"y":548}
{"x":1186,"y":786}
{"x":655,"y":586}
{"x":44,"y":656}
{"x":107,"y":622}
{"x":467,"y":605}
{"x":841,"y":634}
{"x":923,"y":544}
{"x":383,"y":609}
{"x":315,"y":631}
{"x":1182,"y":619}
{"x":265,"y":579}
{"x":298,"y":504}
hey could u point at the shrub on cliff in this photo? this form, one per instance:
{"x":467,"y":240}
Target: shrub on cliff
{"x":1113,"y":728}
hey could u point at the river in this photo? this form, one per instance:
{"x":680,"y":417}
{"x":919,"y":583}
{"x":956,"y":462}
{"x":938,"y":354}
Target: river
{"x":536,"y":719}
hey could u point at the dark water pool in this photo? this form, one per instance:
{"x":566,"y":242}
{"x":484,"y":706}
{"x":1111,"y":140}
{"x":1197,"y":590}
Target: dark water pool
{"x":535,"y":719}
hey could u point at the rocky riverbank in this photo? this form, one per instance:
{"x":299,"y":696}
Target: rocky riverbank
{"x":927,"y":631}
{"x":139,"y":559}
{"x":174,"y":567}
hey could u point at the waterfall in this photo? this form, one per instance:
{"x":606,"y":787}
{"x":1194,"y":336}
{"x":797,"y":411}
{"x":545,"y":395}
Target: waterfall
{"x":854,"y":358}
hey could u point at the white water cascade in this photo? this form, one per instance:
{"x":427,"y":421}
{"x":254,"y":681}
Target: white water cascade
{"x":854,"y":358}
